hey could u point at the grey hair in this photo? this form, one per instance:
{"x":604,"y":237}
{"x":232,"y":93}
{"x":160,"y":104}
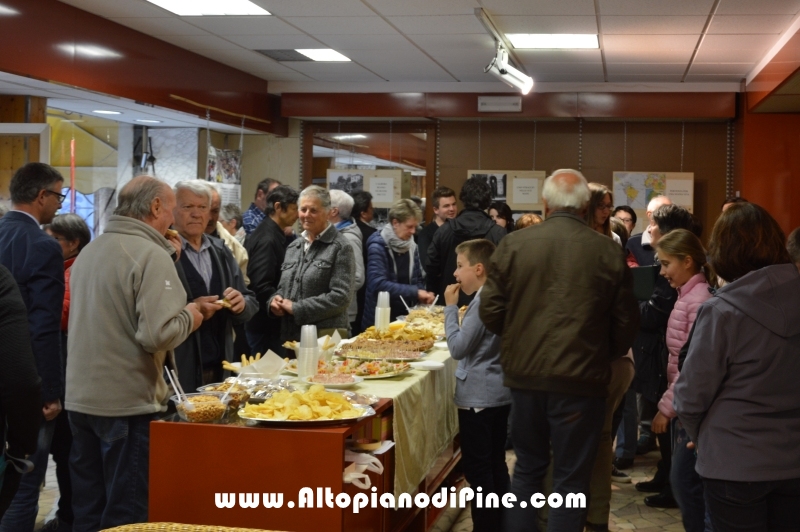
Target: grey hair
{"x":3,"y":209}
{"x":342,"y":201}
{"x":318,"y":192}
{"x":561,"y":195}
{"x":405,"y":209}
{"x":658,"y":201}
{"x":136,"y":198}
{"x":230,"y":212}
{"x":72,"y":227}
{"x":196,"y":187}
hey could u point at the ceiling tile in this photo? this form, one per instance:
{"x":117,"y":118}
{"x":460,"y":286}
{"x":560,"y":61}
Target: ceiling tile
{"x":558,"y":56}
{"x":368,"y":58}
{"x":539,"y":7}
{"x":256,"y":25}
{"x":652,"y":25}
{"x":656,"y":7}
{"x":407,"y":64}
{"x":773,"y":24}
{"x":648,"y":56}
{"x":390,"y":8}
{"x":760,"y":7}
{"x":471,"y":41}
{"x":267,"y":66}
{"x":732,"y":55}
{"x":334,"y":71}
{"x":706,"y":78}
{"x":230,"y":56}
{"x":308,"y":8}
{"x":363,"y":42}
{"x":647,"y":78}
{"x":200,"y":42}
{"x":649,"y":42}
{"x":342,"y":25}
{"x":275,"y":42}
{"x":739,"y":42}
{"x":546,"y":24}
{"x":586,"y":78}
{"x":660,"y":69}
{"x":160,"y":26}
{"x":443,"y":24}
{"x":538,"y":69}
{"x":104,"y":8}
{"x":732,"y":69}
{"x":289,"y":76}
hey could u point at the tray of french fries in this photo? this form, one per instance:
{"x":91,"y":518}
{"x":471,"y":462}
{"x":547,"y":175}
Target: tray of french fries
{"x":245,"y":361}
{"x":316,"y":406}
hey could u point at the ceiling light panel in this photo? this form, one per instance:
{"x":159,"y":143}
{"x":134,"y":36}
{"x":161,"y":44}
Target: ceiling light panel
{"x":553,"y":40}
{"x":88,"y":51}
{"x":7,"y":11}
{"x":204,"y":8}
{"x":323,"y":54}
{"x":102,"y":112}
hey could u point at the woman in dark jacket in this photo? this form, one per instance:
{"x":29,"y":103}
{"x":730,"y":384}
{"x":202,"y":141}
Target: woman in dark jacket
{"x":393,"y":263}
{"x":737,"y":395}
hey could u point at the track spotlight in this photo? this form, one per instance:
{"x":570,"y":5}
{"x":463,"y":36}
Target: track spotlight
{"x":506,"y":73}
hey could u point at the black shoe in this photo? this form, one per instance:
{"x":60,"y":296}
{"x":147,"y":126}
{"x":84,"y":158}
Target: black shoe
{"x":623,"y":463}
{"x":662,"y":500}
{"x":596,"y":528}
{"x":646,"y":444}
{"x":651,"y":486}
{"x":619,"y":476}
{"x":55,"y":525}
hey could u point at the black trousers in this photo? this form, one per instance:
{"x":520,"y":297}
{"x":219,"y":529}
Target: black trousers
{"x":483,"y":457}
{"x":60,"y":448}
{"x":770,"y":506}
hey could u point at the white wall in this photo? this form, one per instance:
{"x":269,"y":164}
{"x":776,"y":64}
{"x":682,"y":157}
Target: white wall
{"x":269,"y":156}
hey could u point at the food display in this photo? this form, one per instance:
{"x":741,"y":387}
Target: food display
{"x":316,"y":404}
{"x":363,"y":344}
{"x":431,"y":319}
{"x":227,"y":366}
{"x":401,"y":331}
{"x":204,"y":407}
{"x":238,"y":394}
{"x":381,"y":369}
{"x":331,"y":378}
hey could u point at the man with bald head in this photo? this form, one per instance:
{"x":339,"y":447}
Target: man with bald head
{"x":128,"y":313}
{"x":639,"y":244}
{"x":561,"y":297}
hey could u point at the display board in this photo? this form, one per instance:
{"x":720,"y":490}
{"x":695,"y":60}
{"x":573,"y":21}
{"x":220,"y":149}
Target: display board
{"x":636,"y":189}
{"x":386,"y":186}
{"x":520,"y":189}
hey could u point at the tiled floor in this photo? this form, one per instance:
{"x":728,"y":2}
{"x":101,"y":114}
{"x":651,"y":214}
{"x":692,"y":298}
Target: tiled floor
{"x":628,"y":511}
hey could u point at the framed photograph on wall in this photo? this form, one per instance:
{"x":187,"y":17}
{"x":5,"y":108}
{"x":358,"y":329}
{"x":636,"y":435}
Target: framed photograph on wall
{"x":520,"y":189}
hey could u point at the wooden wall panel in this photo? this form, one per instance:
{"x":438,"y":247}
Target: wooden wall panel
{"x":17,"y":151}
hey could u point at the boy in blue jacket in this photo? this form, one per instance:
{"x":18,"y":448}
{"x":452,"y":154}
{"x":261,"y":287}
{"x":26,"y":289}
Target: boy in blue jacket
{"x":482,"y":400}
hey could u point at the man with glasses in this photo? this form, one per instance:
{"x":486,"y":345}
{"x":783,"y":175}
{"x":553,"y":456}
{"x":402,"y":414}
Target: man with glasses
{"x":36,"y":263}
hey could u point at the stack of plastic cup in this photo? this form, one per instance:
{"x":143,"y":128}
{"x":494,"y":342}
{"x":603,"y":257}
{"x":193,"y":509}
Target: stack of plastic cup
{"x":383,"y":312}
{"x":308,"y":354}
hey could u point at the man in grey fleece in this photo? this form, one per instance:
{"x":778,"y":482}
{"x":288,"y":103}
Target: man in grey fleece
{"x":128,"y":312}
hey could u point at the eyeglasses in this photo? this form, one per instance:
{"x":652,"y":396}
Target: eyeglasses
{"x":61,"y":197}
{"x":605,"y":207}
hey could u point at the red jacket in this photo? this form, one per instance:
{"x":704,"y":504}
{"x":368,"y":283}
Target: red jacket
{"x":65,"y":310}
{"x":690,"y":297}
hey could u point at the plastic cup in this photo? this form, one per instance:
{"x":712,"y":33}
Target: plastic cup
{"x":307,"y":358}
{"x":383,"y":299}
{"x":308,"y":336}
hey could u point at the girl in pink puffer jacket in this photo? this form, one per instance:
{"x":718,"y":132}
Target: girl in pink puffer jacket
{"x":683,"y":260}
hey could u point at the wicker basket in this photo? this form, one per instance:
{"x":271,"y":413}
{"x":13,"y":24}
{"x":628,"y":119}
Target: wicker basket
{"x":177,"y":527}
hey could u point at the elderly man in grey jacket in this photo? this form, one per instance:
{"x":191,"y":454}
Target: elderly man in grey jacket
{"x":128,"y":312}
{"x":341,"y":208}
{"x":318,"y":273}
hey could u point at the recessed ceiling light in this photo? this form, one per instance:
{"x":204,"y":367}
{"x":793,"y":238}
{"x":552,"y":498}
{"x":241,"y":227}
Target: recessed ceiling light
{"x":101,"y":112}
{"x":88,"y":51}
{"x":204,"y":8}
{"x":553,"y":40}
{"x":349,"y":137}
{"x":142,"y":121}
{"x":7,"y":11}
{"x":323,"y":54}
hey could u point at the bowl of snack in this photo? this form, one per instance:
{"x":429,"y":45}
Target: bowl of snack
{"x":201,"y":407}
{"x":238,"y":395}
{"x":333,"y":380}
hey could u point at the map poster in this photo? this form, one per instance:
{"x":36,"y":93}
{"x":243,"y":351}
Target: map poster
{"x":636,"y":189}
{"x":681,"y":192}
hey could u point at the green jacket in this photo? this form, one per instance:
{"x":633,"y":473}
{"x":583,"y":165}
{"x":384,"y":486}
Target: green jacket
{"x":561,"y":297}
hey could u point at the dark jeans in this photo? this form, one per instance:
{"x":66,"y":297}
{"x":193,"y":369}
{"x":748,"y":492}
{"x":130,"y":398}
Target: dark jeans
{"x":21,"y":515}
{"x":647,"y":411}
{"x":770,"y":506}
{"x":109,"y":465}
{"x":60,"y":449}
{"x":687,"y":486}
{"x":626,"y":434}
{"x":483,"y":457}
{"x":573,"y":424}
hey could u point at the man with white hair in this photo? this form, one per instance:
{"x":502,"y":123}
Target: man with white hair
{"x":639,"y":244}
{"x":128,"y":312}
{"x":561,"y":297}
{"x":341,"y":208}
{"x":211,"y":278}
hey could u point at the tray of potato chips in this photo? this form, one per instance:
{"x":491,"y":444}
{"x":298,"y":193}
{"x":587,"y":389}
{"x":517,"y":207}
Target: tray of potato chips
{"x":316,"y":407}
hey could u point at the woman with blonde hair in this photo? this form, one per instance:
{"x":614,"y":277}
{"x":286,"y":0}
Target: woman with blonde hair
{"x":683,"y":265}
{"x":598,"y":213}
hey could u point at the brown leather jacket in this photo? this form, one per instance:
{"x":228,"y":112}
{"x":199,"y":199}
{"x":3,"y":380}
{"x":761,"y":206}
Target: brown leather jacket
{"x":561,"y":297}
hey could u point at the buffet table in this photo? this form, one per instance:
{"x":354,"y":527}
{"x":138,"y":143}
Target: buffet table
{"x":191,"y":463}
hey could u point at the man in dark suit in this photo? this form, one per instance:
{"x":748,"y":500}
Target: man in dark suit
{"x":35,"y":261}
{"x":266,"y":248}
{"x":362,"y":213}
